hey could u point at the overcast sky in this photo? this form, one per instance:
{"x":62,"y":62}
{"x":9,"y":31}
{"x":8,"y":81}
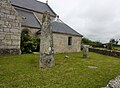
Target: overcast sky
{"x":97,"y":20}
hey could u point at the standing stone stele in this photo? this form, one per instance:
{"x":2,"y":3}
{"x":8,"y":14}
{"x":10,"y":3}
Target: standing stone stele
{"x":85,"y":51}
{"x":46,"y":42}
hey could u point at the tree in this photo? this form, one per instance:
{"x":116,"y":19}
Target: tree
{"x":86,"y":41}
{"x":113,"y":41}
{"x":92,"y":43}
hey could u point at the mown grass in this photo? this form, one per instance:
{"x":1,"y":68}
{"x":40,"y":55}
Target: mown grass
{"x":22,"y":71}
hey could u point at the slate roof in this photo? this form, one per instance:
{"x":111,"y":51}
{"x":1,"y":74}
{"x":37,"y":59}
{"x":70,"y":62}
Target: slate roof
{"x":29,"y":18}
{"x":26,"y":9}
{"x":33,"y":5}
{"x":60,"y":27}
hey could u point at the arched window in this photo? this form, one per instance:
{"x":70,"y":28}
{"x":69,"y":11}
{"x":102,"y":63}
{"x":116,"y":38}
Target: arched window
{"x":25,"y":31}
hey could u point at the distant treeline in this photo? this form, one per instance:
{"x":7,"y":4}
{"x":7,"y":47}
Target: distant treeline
{"x":91,"y":43}
{"x":111,"y":43}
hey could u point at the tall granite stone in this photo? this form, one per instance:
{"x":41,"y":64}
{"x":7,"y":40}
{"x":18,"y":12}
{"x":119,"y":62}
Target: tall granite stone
{"x":9,"y":29}
{"x":46,"y":42}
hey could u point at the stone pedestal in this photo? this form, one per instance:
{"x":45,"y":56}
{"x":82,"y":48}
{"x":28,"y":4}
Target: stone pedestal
{"x":46,"y":43}
{"x":85,"y":51}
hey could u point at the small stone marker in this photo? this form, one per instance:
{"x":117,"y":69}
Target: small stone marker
{"x":46,"y":42}
{"x":92,"y":67}
{"x":67,"y":57}
{"x":85,"y":51}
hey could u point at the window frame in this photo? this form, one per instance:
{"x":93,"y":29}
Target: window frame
{"x":70,"y":41}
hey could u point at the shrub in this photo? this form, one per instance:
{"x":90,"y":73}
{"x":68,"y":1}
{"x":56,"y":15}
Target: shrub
{"x":29,"y":44}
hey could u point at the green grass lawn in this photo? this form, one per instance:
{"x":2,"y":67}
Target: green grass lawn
{"x":22,"y":71}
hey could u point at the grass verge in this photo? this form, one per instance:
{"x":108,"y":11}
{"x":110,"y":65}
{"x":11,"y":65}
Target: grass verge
{"x":23,"y":71}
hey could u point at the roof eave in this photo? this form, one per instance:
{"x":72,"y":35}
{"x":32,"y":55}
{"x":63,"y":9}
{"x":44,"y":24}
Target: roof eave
{"x":31,"y":26}
{"x":68,"y":34}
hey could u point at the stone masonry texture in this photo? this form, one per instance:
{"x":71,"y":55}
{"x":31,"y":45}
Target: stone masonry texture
{"x":60,"y":43}
{"x":10,"y":26}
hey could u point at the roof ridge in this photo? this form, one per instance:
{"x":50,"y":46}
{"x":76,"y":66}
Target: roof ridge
{"x":40,"y":2}
{"x":33,"y":5}
{"x":47,"y":5}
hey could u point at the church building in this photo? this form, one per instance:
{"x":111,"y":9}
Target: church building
{"x":17,"y":16}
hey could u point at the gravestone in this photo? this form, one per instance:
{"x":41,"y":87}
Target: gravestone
{"x":85,"y":51}
{"x":46,"y":42}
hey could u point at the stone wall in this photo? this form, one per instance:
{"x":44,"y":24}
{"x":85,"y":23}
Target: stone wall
{"x":105,"y":52}
{"x":9,"y":29}
{"x":61,"y":43}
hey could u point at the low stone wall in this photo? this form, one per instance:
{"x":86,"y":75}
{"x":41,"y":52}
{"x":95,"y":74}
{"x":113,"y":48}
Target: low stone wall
{"x":105,"y":52}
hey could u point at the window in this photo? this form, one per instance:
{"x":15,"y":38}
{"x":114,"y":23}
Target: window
{"x":25,"y":31}
{"x":69,"y":40}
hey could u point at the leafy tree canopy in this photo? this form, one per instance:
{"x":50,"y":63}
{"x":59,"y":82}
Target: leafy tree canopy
{"x":92,"y":43}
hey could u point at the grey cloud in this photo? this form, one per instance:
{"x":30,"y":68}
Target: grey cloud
{"x":98,"y":20}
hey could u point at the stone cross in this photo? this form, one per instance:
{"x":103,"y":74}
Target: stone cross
{"x":85,"y":51}
{"x":46,"y":42}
